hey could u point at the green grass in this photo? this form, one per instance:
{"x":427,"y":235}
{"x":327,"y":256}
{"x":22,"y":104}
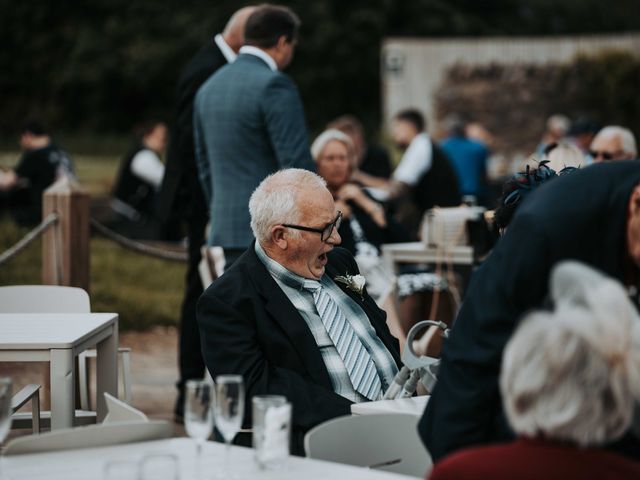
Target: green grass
{"x":144,"y":291}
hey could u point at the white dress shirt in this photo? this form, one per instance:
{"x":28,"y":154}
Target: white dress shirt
{"x":224,"y":47}
{"x":416,"y":161}
{"x":147,"y":165}
{"x":255,"y":51}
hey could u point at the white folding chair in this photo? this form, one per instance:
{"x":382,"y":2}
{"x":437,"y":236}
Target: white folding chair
{"x":31,"y":393}
{"x":90,"y":436}
{"x":211,"y":265}
{"x":119,"y":411}
{"x":61,"y":299}
{"x":386,"y":442}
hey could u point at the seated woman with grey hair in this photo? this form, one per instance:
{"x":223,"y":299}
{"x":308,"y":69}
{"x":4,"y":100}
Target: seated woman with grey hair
{"x":570,"y":379}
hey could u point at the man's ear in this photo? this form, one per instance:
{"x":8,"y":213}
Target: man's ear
{"x":279,"y":237}
{"x":282,"y":41}
{"x":634,"y":201}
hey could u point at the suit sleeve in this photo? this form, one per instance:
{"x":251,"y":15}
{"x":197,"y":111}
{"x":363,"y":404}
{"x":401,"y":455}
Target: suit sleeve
{"x":230,"y":344}
{"x":465,"y":408}
{"x":202,"y":162}
{"x":284,"y":117}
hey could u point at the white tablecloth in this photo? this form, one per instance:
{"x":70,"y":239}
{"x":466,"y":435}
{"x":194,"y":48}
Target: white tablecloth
{"x":413,"y":405}
{"x":89,"y":464}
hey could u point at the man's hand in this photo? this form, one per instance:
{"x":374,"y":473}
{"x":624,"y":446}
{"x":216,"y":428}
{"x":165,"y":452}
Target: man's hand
{"x":8,"y":179}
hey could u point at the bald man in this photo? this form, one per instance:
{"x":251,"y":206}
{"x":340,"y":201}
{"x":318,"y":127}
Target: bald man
{"x":181,"y":198}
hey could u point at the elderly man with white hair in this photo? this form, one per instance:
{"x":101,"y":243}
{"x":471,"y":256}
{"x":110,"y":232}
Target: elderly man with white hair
{"x":569,"y":382}
{"x":292,"y":315}
{"x":613,"y":143}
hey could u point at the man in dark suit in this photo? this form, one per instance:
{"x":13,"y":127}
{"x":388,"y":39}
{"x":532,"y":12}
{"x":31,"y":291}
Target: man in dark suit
{"x":593,"y":216}
{"x":274,"y":315}
{"x":249,"y":122}
{"x":181,"y":197}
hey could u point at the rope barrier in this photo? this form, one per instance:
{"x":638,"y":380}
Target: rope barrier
{"x":138,"y":246}
{"x":28,"y":238}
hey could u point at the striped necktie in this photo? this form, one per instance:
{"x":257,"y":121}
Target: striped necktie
{"x":359,"y":364}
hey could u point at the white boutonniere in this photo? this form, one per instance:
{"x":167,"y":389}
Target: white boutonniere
{"x":355,"y":283}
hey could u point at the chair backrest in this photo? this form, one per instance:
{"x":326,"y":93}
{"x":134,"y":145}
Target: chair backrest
{"x":91,"y":436}
{"x":387,"y":442}
{"x":119,"y":411}
{"x":43,"y":299}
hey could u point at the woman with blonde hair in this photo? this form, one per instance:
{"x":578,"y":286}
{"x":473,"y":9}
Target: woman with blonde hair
{"x":570,"y":380}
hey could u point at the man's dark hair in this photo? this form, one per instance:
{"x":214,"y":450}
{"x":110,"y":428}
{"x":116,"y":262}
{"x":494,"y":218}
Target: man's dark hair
{"x":34,"y":127}
{"x":268,"y":23}
{"x":412,"y":116}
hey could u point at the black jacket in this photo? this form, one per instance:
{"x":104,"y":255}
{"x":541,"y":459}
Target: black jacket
{"x":181,"y":191}
{"x":248,"y":326}
{"x":581,"y":216}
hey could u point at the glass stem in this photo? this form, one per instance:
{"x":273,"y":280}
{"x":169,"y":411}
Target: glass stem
{"x":227,"y":452}
{"x":199,"y":459}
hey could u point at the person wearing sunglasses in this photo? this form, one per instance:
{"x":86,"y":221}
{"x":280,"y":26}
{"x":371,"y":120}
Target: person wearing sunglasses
{"x":292,"y":315}
{"x":613,"y":143}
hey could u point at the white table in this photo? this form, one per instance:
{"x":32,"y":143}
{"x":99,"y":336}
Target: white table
{"x":412,"y":405}
{"x":418,"y":252}
{"x":58,"y":338}
{"x":89,"y":463}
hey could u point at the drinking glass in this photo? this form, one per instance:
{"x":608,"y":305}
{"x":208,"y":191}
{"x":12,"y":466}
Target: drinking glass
{"x":120,"y":470}
{"x":198,"y":416}
{"x":5,"y":411}
{"x":159,"y":466}
{"x":271,"y":429}
{"x":229,"y":411}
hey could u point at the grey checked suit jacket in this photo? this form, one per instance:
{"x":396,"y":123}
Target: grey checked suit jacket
{"x":248,"y":123}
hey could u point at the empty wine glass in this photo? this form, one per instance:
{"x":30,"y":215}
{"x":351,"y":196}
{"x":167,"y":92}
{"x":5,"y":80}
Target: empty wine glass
{"x":198,"y":415}
{"x":229,"y":411}
{"x":5,"y":411}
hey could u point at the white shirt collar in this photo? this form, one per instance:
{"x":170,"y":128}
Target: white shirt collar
{"x":251,"y":50}
{"x":224,"y":47}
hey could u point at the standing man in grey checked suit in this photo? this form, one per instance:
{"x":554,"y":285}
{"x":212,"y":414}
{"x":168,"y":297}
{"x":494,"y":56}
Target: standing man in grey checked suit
{"x":248,"y":123}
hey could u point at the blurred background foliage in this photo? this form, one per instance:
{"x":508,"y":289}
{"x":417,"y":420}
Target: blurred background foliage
{"x":99,"y":66}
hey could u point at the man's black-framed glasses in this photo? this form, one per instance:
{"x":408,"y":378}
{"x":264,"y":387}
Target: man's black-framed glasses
{"x":324,"y":232}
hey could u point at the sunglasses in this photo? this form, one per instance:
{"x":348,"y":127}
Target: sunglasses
{"x":595,"y":154}
{"x":324,"y":232}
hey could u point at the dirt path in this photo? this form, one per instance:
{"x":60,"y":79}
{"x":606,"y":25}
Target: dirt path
{"x":153,"y":368}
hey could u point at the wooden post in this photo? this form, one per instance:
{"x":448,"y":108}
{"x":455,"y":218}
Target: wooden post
{"x":65,"y":246}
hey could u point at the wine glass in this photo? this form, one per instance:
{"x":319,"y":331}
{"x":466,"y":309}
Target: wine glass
{"x":5,"y":411}
{"x":198,"y":415}
{"x":229,"y":411}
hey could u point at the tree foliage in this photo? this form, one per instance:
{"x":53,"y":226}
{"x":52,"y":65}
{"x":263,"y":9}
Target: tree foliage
{"x":103,"y":65}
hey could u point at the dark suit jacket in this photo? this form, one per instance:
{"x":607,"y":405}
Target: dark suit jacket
{"x":580,"y":216}
{"x":181,"y":190}
{"x":248,"y":326}
{"x":249,"y":123}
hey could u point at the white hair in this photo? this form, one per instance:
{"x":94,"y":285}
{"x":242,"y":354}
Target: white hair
{"x":565,"y":155}
{"x":276,"y":200}
{"x":574,"y":374}
{"x":627,"y":140}
{"x":558,"y":123}
{"x":331,"y":135}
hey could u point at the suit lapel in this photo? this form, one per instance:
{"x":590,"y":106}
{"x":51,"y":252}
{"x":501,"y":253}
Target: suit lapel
{"x":283,"y":313}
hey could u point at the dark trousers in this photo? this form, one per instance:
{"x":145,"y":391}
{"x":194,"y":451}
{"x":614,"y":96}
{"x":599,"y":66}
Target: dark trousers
{"x":190,"y":361}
